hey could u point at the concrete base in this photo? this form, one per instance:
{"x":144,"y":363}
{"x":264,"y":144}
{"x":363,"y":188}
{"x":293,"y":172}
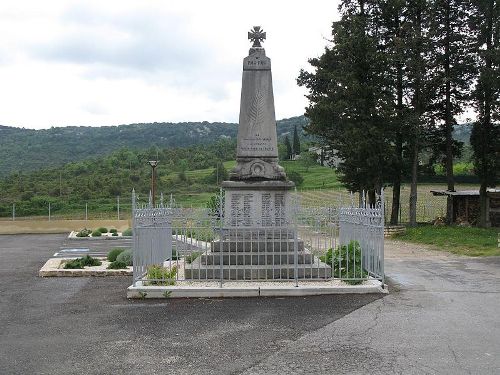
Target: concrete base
{"x":254,"y":289}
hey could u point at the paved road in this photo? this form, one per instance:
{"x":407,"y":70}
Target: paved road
{"x":442,"y":317}
{"x":87,"y":326}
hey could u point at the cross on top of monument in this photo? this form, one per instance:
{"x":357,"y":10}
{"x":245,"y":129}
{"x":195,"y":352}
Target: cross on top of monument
{"x":256,"y":35}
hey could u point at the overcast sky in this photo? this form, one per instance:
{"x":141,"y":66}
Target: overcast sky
{"x":118,"y":62}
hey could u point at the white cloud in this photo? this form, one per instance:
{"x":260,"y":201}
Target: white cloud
{"x":115,"y":62}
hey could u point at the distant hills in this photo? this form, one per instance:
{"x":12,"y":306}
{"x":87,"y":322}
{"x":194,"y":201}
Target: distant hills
{"x":28,"y":149}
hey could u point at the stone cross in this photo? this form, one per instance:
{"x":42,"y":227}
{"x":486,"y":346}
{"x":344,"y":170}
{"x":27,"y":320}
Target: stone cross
{"x":256,"y":35}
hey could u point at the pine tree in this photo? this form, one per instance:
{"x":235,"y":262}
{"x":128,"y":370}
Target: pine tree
{"x":485,"y":137}
{"x":452,"y":72}
{"x":296,"y":141}
{"x":288,"y":146}
{"x":349,"y":101}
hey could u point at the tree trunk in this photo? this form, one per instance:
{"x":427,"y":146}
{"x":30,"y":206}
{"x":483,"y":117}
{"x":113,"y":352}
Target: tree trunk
{"x":448,"y":125}
{"x":396,"y":191}
{"x":413,"y":188}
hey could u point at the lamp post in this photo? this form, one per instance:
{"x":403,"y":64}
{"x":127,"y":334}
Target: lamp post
{"x":153,"y":164}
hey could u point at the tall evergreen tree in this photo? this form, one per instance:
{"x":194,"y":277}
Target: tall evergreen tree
{"x":296,"y":141}
{"x":288,"y":146}
{"x":348,"y":100}
{"x":485,"y":137}
{"x":452,"y":72}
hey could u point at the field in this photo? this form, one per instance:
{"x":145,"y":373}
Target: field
{"x":320,"y":186}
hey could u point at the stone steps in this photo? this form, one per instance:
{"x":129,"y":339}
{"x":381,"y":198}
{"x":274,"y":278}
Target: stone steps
{"x":317,"y":270}
{"x":259,"y":258}
{"x":256,"y":246}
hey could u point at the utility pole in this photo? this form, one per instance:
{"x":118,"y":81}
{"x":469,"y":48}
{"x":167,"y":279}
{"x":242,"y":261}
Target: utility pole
{"x":118,"y":206}
{"x":153,"y":164}
{"x":13,"y":211}
{"x":86,"y":211}
{"x":49,"y":211}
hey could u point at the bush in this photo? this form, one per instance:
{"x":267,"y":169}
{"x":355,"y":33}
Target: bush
{"x":84,"y":233}
{"x":86,"y":261}
{"x":113,"y":253}
{"x":113,"y":230}
{"x":191,"y":257}
{"x":116,"y":265}
{"x":96,"y":233}
{"x":175,"y":256}
{"x":127,"y":232}
{"x":296,"y":177}
{"x":114,"y":234}
{"x":125,"y":257}
{"x":103,"y":230}
{"x":160,"y":275}
{"x":346,"y":262}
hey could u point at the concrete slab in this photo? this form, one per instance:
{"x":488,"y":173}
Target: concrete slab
{"x":253,"y":289}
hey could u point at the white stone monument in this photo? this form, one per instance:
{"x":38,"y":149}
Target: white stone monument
{"x":257,"y":193}
{"x":257,"y":238}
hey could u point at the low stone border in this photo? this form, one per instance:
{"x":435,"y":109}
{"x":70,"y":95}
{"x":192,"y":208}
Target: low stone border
{"x":253,"y":289}
{"x":392,"y":230}
{"x":105,"y":236}
{"x":51,"y":268}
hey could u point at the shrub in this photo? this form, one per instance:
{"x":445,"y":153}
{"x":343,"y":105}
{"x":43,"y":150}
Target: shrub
{"x":127,"y":232}
{"x":96,"y":233}
{"x":191,"y":257}
{"x":113,"y":230}
{"x":103,"y":230}
{"x":84,"y":233}
{"x":113,"y":253}
{"x":346,"y":262}
{"x":86,"y":261}
{"x":114,"y":234}
{"x":159,"y":275}
{"x":116,"y":265}
{"x":125,"y":257}
{"x":296,"y":177}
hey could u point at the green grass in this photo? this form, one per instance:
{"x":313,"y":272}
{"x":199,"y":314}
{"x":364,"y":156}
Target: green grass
{"x":457,"y":240}
{"x":315,"y":177}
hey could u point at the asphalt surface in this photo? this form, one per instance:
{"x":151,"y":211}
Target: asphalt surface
{"x":87,"y":326}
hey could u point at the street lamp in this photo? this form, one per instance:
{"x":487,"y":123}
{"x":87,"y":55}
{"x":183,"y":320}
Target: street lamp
{"x":153,"y":164}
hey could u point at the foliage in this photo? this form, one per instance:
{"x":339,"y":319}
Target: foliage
{"x":86,"y":261}
{"x":26,"y":148}
{"x":114,"y":234}
{"x":346,"y":262}
{"x":127,"y":232}
{"x":158,"y":275}
{"x":113,"y":253}
{"x":288,"y":147}
{"x":296,"y":142}
{"x":102,"y":230}
{"x":214,"y":204}
{"x":113,"y":230}
{"x":117,"y":265}
{"x":125,"y":257}
{"x":84,"y":233}
{"x":191,"y":257}
{"x":96,"y":233}
{"x":469,"y":241}
{"x":296,"y":177}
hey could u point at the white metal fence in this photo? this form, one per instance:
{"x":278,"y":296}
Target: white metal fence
{"x":174,"y":245}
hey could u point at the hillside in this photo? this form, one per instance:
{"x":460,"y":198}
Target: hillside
{"x":28,"y":149}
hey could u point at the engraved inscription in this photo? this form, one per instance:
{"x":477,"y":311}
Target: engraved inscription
{"x":267,"y":219}
{"x":279,"y":209}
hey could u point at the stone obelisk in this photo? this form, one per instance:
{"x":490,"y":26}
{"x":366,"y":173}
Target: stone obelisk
{"x":256,"y":195}
{"x":257,"y":239}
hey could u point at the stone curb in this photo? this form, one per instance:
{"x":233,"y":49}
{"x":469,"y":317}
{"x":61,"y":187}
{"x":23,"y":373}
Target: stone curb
{"x":153,"y":292}
{"x":51,"y":269}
